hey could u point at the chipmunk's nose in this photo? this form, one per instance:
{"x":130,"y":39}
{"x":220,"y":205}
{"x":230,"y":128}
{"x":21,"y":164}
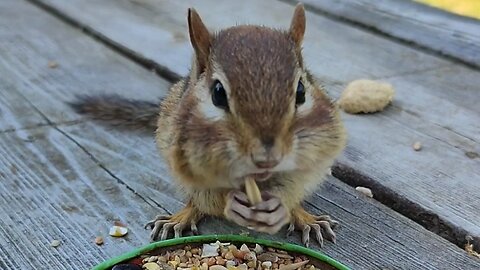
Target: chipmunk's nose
{"x":266,"y":164}
{"x":269,"y":157}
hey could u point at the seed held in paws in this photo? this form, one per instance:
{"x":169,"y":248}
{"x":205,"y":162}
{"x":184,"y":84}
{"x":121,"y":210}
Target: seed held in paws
{"x":252,"y":191}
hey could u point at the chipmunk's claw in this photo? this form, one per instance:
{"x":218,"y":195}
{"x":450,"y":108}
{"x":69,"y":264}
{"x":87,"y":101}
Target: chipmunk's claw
{"x":290,"y":229}
{"x":158,"y":218}
{"x":162,"y":225}
{"x":321,"y":225}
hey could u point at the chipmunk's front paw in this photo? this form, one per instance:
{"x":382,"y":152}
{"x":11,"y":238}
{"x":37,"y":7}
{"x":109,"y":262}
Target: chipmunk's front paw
{"x":269,"y":216}
{"x":163,"y":224}
{"x":304,"y":221}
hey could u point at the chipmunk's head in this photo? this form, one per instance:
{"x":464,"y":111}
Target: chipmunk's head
{"x":252,"y":106}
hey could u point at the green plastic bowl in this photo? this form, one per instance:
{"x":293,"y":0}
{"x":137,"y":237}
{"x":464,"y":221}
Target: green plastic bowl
{"x":222,"y":238}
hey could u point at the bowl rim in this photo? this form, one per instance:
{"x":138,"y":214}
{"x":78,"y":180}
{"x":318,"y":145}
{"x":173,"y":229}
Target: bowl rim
{"x":222,"y":238}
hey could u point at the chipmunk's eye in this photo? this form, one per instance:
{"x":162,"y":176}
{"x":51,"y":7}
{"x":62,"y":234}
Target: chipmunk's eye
{"x":300,"y":97}
{"x":219,"y":96}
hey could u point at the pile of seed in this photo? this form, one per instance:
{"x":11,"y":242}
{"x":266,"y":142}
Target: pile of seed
{"x":222,"y":256}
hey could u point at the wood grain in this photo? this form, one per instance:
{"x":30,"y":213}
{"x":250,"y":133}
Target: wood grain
{"x":157,"y":31}
{"x":73,"y":190}
{"x":434,"y":104}
{"x":11,"y":105}
{"x":447,"y":33}
{"x":371,"y":235}
{"x":71,"y":181}
{"x":51,"y":189}
{"x":84,"y":67}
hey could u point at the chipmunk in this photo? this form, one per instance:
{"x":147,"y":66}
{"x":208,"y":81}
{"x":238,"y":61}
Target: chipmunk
{"x":249,"y":107}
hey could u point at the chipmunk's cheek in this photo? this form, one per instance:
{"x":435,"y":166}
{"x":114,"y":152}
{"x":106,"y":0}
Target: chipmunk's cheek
{"x":288,"y":163}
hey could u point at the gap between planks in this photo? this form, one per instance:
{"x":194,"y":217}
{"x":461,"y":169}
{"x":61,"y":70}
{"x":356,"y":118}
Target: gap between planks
{"x":171,"y":76}
{"x":55,"y":126}
{"x":407,"y":208}
{"x":40,"y":125}
{"x":147,"y":63}
{"x":379,"y":32}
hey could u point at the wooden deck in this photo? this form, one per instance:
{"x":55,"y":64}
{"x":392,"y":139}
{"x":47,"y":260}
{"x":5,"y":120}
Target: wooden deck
{"x":64,"y":177}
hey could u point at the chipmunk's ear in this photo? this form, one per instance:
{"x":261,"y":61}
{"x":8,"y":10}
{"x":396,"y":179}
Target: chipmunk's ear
{"x":199,"y":37}
{"x":297,"y":26}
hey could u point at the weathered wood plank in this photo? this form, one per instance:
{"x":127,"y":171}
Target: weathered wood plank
{"x":92,"y":171}
{"x":371,"y":235}
{"x":12,"y":104}
{"x":449,"y":34}
{"x":60,"y":188}
{"x":24,"y":65}
{"x":157,"y":30}
{"x":428,"y":88}
{"x":51,"y":189}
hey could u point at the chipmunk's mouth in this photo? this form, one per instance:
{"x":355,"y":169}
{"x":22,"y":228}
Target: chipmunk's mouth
{"x":261,"y":176}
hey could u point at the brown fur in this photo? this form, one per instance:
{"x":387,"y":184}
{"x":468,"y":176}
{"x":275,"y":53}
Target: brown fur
{"x":261,"y":96}
{"x":261,"y":66}
{"x":118,"y":111}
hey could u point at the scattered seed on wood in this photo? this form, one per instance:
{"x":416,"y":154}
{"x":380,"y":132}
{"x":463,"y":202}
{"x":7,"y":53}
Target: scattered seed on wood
{"x":55,"y":243}
{"x":52,"y":64}
{"x":99,"y":240}
{"x":365,"y":191}
{"x":118,"y":231}
{"x":417,"y":146}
